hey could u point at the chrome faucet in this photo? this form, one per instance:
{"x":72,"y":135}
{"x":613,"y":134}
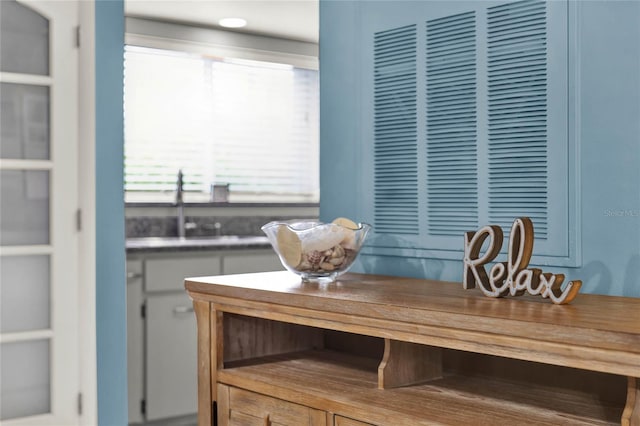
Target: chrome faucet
{"x":180,"y":204}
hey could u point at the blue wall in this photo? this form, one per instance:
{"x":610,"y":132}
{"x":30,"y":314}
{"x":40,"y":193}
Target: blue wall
{"x":110,"y":241}
{"x":610,"y":146}
{"x":608,"y":114}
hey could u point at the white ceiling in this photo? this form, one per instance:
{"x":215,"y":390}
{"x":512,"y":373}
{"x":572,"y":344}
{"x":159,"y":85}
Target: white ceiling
{"x":292,"y":19}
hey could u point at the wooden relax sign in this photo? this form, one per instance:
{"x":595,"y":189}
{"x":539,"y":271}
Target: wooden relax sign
{"x":513,"y":276}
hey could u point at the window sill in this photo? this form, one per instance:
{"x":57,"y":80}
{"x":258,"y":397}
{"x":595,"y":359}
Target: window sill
{"x":227,"y":204}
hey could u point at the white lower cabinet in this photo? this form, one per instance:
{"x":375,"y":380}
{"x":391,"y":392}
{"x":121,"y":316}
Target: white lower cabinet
{"x":161,"y":327}
{"x":171,"y":363}
{"x":168,"y":273}
{"x":251,"y":262}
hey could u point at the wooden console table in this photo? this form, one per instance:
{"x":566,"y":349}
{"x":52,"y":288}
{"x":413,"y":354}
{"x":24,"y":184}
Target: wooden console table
{"x":379,"y":350}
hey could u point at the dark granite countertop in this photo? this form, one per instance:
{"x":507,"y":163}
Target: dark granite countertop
{"x":167,"y":244}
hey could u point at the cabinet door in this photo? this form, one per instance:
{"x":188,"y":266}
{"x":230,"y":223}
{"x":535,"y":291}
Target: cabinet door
{"x":171,"y":357}
{"x":168,"y":273}
{"x":248,"y":262}
{"x":239,"y":407}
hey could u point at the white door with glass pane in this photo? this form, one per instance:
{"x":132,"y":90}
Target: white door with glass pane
{"x":39,"y":355}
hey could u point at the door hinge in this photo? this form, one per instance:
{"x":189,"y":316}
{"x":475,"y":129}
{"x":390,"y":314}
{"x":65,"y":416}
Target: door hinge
{"x":79,"y":220}
{"x":143,"y":406}
{"x":143,"y":310}
{"x":77,"y":36}
{"x":80,"y":403}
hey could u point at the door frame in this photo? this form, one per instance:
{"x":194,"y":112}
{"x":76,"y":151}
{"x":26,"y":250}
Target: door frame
{"x":87,"y":205}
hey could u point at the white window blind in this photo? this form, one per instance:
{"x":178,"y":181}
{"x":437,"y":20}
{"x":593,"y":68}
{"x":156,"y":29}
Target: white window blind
{"x":252,"y":125}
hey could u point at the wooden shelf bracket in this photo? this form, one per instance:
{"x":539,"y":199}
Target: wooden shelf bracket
{"x":406,"y":363}
{"x":631,"y":413}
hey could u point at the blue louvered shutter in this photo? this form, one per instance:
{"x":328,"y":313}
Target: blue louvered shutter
{"x":469,"y":110}
{"x":527,"y":128}
{"x":451,"y":126}
{"x":395,"y":127}
{"x":517,"y":76}
{"x":528,"y":137}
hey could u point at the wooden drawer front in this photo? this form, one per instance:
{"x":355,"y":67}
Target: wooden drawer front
{"x":236,"y":418}
{"x":270,"y":411}
{"x":345,"y":421}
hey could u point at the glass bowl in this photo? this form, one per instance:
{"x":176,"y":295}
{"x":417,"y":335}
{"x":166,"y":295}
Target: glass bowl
{"x":316,"y":250}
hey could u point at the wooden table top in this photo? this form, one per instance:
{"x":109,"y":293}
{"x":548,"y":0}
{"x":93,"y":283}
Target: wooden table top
{"x":603,"y":330}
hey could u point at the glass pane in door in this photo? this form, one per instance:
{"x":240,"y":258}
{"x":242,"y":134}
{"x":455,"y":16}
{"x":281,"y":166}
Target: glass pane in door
{"x":24,"y":39}
{"x":24,"y":379}
{"x":24,"y":128}
{"x":24,"y":293}
{"x":24,"y":207}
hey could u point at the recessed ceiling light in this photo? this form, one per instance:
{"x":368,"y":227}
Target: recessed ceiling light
{"x":232,"y":22}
